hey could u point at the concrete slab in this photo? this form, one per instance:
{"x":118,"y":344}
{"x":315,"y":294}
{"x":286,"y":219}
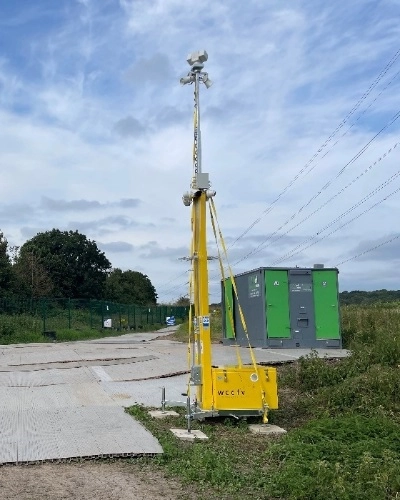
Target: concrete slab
{"x":148,"y":392}
{"x":266,"y":429}
{"x":223,"y":355}
{"x":184,"y":435}
{"x":163,"y":414}
{"x":162,"y":365}
{"x":46,"y":377}
{"x":76,"y":364}
{"x":37,"y":434}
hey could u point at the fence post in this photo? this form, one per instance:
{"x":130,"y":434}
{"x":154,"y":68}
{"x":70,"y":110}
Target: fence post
{"x":102,"y":314}
{"x":69,"y":313}
{"x":44,"y":314}
{"x":129,"y":319}
{"x":119,"y":313}
{"x":91,"y":314}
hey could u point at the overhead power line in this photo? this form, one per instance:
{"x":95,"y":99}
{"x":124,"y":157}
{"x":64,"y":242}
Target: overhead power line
{"x":262,"y":245}
{"x":172,"y":280}
{"x":175,"y":288}
{"x":355,"y":122}
{"x":353,"y":181}
{"x":369,"y":250}
{"x":346,"y":223}
{"x":325,"y":143}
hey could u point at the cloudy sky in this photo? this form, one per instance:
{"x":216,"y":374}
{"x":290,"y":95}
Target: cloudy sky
{"x":300,"y":131}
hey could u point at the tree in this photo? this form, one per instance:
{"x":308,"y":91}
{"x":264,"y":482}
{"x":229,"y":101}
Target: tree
{"x":360,"y":297}
{"x":130,"y":287}
{"x":73,"y":263}
{"x":5,"y":267}
{"x":182,"y":301}
{"x":30,"y":277}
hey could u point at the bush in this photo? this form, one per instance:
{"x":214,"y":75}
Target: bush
{"x":375,"y":392}
{"x":312,"y":372}
{"x":7,"y":327}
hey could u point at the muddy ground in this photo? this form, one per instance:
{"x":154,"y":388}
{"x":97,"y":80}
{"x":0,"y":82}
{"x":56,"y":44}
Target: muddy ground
{"x":89,"y":480}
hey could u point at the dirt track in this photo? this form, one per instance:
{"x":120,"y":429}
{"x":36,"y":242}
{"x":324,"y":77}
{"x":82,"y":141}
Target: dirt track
{"x":88,"y":481}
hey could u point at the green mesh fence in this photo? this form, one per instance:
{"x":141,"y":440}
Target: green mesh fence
{"x":53,"y":314}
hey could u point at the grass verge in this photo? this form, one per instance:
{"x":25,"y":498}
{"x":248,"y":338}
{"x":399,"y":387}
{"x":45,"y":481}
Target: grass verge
{"x":350,"y":457}
{"x":24,"y":329}
{"x":343,"y":441}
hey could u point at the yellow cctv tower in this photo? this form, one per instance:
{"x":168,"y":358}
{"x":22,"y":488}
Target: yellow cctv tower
{"x":235,"y":390}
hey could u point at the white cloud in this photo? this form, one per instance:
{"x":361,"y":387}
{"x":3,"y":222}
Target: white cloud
{"x":284,"y":79}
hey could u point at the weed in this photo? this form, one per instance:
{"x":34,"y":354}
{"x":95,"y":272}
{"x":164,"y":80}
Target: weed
{"x":312,"y":372}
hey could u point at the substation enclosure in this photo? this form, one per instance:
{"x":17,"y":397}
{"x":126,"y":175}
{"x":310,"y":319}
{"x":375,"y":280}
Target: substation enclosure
{"x":283,"y":307}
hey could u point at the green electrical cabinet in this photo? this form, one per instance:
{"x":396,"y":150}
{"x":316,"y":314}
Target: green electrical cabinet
{"x":277,"y":304}
{"x":283,"y":307}
{"x":326,"y":305}
{"x":228,"y":308}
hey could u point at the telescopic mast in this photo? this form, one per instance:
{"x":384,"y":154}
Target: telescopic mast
{"x":228,"y":390}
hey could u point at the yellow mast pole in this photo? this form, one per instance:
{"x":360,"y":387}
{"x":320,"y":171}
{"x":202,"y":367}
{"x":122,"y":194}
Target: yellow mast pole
{"x":202,"y":369}
{"x":201,"y":305}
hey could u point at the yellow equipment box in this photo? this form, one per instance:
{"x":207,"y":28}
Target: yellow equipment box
{"x":243,"y":388}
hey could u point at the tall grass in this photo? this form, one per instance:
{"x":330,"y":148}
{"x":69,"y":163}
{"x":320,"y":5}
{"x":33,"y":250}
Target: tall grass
{"x":366,"y":323}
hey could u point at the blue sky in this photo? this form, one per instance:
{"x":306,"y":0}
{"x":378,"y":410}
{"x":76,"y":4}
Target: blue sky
{"x":97,"y":132}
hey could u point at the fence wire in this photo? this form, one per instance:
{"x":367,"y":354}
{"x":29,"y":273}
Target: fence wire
{"x":52,"y":314}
